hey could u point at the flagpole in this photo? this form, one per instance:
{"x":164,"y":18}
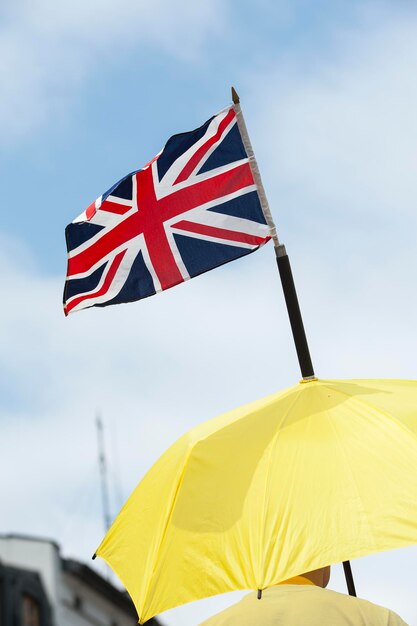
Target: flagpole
{"x":283,"y":262}
{"x":287,"y":281}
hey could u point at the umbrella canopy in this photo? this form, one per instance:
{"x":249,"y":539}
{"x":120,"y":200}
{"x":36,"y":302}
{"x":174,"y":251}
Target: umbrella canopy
{"x":319,"y":473}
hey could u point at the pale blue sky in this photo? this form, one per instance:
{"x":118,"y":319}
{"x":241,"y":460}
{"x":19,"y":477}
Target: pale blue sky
{"x":91,"y":91}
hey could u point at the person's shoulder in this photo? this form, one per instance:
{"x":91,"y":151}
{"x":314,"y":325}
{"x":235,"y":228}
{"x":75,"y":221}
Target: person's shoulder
{"x":395,"y":620}
{"x":234,"y":614}
{"x":220,"y":619}
{"x":317,"y":601}
{"x":367,"y":609}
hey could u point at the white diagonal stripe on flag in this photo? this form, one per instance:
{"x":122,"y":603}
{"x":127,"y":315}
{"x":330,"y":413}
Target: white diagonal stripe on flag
{"x":229,"y":222}
{"x":179,"y":164}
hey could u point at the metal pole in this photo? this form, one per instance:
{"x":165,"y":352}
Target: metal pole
{"x":349,"y":578}
{"x":294,"y":313}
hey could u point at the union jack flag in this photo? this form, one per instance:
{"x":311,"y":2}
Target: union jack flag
{"x":193,"y":207}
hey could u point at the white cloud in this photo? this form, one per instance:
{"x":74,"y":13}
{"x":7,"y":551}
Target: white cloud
{"x":48,"y":49}
{"x":341,"y":136}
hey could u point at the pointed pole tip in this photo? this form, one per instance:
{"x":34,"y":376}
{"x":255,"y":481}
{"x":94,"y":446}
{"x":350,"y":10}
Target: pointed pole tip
{"x":235,"y":96}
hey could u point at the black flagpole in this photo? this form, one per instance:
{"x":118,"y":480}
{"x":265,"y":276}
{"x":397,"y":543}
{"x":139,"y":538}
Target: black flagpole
{"x":294,"y":313}
{"x":349,"y":578}
{"x":297,"y":326}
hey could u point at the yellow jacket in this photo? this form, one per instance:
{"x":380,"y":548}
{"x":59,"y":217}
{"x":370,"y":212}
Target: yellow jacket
{"x":303,"y":604}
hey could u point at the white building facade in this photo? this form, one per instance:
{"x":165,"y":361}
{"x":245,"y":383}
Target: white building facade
{"x":40,"y":588}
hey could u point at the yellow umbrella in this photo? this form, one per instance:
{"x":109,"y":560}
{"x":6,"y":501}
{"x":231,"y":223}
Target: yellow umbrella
{"x":319,"y":473}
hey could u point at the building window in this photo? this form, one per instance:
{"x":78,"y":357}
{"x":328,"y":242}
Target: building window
{"x":78,"y":603}
{"x":31,"y":611}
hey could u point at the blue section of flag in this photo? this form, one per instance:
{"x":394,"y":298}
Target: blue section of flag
{"x":138,"y":285}
{"x":80,"y":232}
{"x":123,"y":188}
{"x":245,"y":207}
{"x":83,"y":285}
{"x":231,"y":149}
{"x":177,"y":145}
{"x":199,"y":256}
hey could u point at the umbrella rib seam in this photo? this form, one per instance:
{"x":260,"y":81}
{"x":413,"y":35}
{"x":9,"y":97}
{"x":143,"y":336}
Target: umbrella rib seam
{"x":345,"y":454}
{"x":272,"y":448}
{"x":273,"y":399}
{"x":167,"y":520}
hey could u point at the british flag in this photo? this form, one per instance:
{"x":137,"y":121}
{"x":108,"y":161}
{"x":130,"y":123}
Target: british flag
{"x":194,"y":207}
